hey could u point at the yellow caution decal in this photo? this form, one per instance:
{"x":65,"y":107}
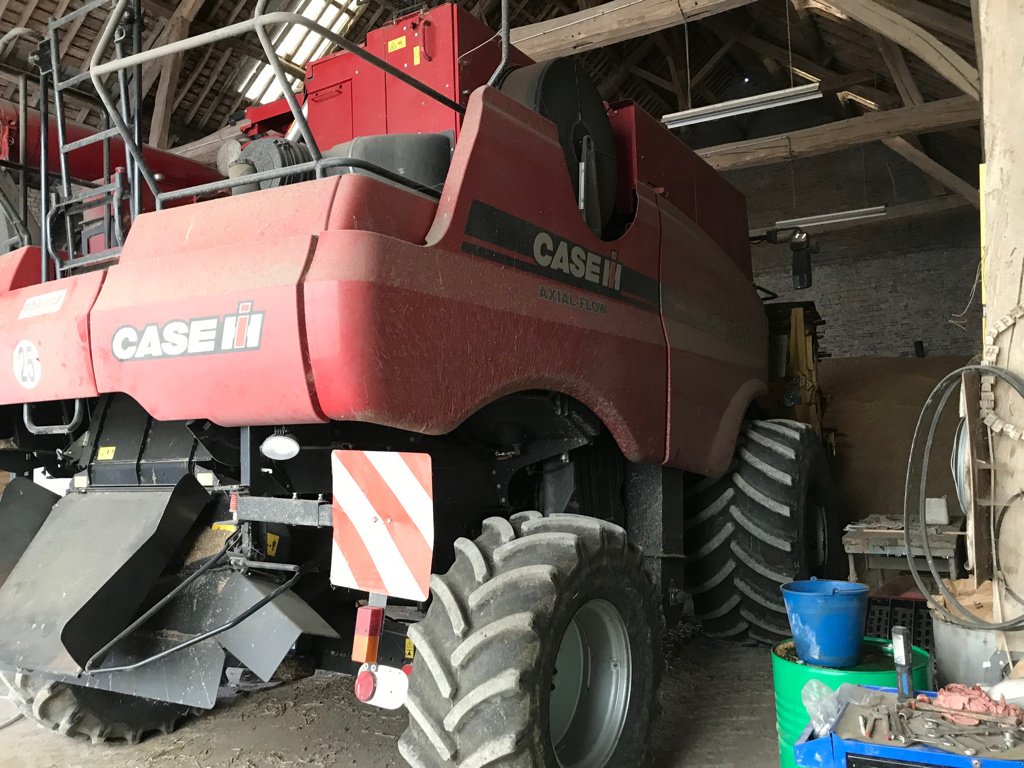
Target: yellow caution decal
{"x":397,"y":44}
{"x":106,"y":453}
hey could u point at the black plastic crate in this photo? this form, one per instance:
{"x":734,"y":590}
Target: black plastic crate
{"x":884,"y":613}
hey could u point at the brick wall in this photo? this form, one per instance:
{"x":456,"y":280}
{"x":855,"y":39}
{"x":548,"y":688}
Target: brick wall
{"x":880,"y":286}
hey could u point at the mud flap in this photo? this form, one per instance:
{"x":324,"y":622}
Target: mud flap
{"x":94,"y":559}
{"x":24,"y":508}
{"x":193,"y":675}
{"x":87,"y":571}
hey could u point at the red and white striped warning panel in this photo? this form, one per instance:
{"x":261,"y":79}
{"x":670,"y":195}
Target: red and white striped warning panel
{"x":383,"y":522}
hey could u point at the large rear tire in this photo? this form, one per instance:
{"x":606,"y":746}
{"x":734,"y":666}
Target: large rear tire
{"x":771,"y":519}
{"x":99,"y":716}
{"x":541,"y":649}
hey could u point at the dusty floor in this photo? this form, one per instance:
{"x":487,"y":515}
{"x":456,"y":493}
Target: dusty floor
{"x":718,"y":713}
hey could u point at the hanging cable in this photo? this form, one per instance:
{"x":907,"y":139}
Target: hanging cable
{"x":789,"y":44}
{"x":686,"y":42}
{"x":915,"y":492}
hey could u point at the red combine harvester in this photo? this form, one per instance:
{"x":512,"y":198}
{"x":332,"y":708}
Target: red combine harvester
{"x":458,"y":382}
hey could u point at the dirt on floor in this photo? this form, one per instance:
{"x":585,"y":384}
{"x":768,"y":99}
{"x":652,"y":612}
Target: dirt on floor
{"x":717,"y":698}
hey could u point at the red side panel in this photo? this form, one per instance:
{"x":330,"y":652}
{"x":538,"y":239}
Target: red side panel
{"x":201,"y":317}
{"x":372,"y":205}
{"x":718,"y":340}
{"x":420,"y":337}
{"x":650,"y":154}
{"x":44,"y":340}
{"x":20,"y":268}
{"x":423,"y":46}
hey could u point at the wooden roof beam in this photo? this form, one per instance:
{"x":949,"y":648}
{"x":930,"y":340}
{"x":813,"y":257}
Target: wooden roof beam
{"x":915,"y":38}
{"x":935,"y":19}
{"x":610,"y":23}
{"x":804,"y":68}
{"x":925,"y":118}
{"x":933,"y":169}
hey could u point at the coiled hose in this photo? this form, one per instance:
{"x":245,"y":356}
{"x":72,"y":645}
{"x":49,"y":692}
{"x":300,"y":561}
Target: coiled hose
{"x":914,"y":494}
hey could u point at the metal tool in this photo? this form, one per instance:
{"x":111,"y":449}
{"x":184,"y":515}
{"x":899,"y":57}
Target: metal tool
{"x":903,"y":654}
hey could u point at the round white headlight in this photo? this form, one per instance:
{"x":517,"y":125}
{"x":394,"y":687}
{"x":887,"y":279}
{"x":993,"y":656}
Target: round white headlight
{"x":280,"y":447}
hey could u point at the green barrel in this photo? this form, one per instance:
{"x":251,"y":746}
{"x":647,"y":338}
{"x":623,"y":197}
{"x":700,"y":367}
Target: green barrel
{"x":791,"y":675}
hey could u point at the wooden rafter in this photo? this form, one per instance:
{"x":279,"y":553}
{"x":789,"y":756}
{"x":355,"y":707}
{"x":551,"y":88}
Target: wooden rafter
{"x":935,"y":19}
{"x":933,"y":169}
{"x":915,"y":38}
{"x":804,"y":68}
{"x":610,"y":23}
{"x":934,"y":116}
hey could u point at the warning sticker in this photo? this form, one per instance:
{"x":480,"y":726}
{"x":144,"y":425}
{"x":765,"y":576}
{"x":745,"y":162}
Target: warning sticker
{"x":397,"y":44}
{"x":106,"y":453}
{"x":410,"y":649}
{"x":416,"y":56}
{"x":272,"y":541}
{"x":43,"y":304}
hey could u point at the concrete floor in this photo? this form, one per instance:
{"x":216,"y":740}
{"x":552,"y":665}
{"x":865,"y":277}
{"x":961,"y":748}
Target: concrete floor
{"x":718,"y":713}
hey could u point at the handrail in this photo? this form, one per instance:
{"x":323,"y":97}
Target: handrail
{"x":258,"y":23}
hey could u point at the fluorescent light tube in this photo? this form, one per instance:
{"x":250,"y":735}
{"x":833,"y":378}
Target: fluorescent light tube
{"x":743,"y":106}
{"x":838,"y":217}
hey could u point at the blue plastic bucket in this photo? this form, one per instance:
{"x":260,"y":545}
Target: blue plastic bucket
{"x":827,"y":619}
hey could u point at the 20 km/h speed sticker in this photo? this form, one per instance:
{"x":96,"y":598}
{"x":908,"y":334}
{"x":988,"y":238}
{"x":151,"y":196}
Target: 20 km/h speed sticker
{"x":25,"y":362}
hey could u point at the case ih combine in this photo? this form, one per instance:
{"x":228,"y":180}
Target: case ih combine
{"x":458,"y":382}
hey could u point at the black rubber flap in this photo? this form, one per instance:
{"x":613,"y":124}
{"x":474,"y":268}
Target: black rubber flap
{"x":563,"y":92}
{"x":87,"y":571}
{"x":23,"y":509}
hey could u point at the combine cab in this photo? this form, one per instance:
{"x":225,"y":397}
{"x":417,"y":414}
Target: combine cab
{"x":441,"y":386}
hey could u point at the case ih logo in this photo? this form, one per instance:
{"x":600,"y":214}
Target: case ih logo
{"x":562,"y":256}
{"x":200,"y":336}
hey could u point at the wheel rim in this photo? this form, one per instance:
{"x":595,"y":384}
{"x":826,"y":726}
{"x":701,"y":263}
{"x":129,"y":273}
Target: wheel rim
{"x":590,"y":687}
{"x":817,"y":532}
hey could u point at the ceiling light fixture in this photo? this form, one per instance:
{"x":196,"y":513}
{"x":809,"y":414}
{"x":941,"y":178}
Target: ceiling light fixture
{"x":743,"y":106}
{"x":838,"y":217}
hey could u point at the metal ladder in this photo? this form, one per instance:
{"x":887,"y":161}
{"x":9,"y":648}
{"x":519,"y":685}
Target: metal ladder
{"x":83,"y":221}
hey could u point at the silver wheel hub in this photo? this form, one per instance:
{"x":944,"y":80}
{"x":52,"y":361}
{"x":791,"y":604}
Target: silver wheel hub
{"x":590,"y":687}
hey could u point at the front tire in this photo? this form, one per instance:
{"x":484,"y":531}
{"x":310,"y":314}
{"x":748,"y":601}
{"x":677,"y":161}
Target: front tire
{"x":100,"y":716}
{"x":773,"y":518}
{"x":541,"y":649}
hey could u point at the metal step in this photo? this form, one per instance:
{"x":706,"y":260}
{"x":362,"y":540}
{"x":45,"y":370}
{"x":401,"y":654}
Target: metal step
{"x":110,"y":133}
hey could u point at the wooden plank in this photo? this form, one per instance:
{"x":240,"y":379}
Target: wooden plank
{"x":979,"y":523}
{"x":935,"y":19}
{"x":176,"y":28}
{"x":708,"y":66}
{"x":205,"y":150}
{"x":911,"y":148}
{"x":654,"y":79}
{"x":163,"y":108}
{"x":804,"y":68}
{"x":933,"y":169}
{"x":896,"y":63}
{"x":915,"y":39}
{"x":610,"y":23}
{"x":808,"y":31}
{"x":934,"y":116}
